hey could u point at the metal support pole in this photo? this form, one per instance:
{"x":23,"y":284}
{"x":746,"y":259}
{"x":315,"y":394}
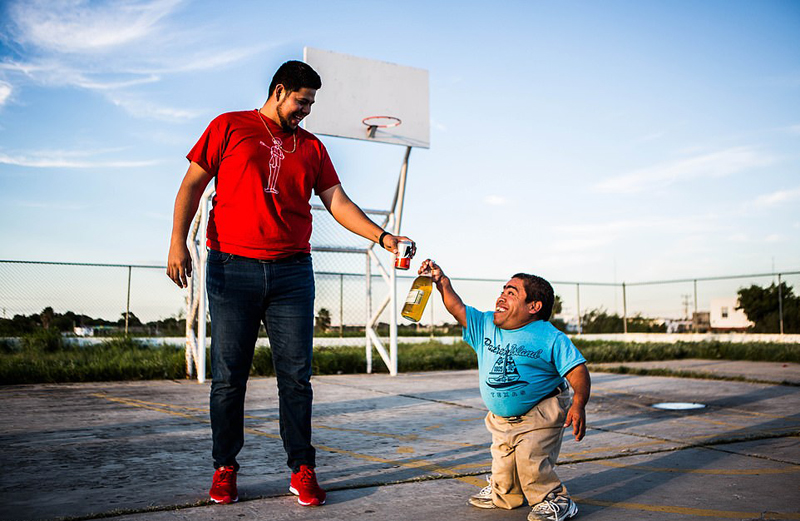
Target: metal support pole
{"x":128,"y":305}
{"x":341,"y":305}
{"x":368,"y":281}
{"x":580,"y":323}
{"x":398,"y":212}
{"x":695,"y":318}
{"x":200,"y":360}
{"x":780,"y":302}
{"x":624,"y":310}
{"x":401,"y":195}
{"x":393,"y":323}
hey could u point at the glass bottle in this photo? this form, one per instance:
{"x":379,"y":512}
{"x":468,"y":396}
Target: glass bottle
{"x":417,"y":298}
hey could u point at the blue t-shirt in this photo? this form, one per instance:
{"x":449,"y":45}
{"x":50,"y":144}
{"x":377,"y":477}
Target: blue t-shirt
{"x":518,"y":367}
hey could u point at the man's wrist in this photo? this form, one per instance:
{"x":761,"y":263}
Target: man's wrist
{"x":383,"y":236}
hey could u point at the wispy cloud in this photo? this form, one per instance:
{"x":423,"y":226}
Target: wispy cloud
{"x":495,"y":200}
{"x":711,"y":165}
{"x":586,"y":237}
{"x":78,"y":26}
{"x":70,"y":159}
{"x":5,"y":92}
{"x":148,"y":109}
{"x":52,"y":206}
{"x":778,"y":197}
{"x":649,"y":137}
{"x":111,"y":49}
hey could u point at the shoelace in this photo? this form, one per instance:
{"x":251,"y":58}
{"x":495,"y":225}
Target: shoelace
{"x":546,"y":507}
{"x":225,"y":476}
{"x":486,"y":491}
{"x":307,"y":476}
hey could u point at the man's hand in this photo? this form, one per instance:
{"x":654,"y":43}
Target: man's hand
{"x":431,"y":268}
{"x":576,"y":416}
{"x":390,"y":243}
{"x":179,"y":264}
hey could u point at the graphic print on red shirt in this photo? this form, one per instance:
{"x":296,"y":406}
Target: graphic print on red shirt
{"x":261,"y":208}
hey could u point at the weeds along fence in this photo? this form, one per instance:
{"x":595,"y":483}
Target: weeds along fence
{"x":137,"y":299}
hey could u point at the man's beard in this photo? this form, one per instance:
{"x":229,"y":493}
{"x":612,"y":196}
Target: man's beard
{"x":284,"y":120}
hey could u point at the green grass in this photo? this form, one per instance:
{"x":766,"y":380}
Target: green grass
{"x":115,"y":359}
{"x":659,"y":371}
{"x":44,"y":358}
{"x":599,"y":351}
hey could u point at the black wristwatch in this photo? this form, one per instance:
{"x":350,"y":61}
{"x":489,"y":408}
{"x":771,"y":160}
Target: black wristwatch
{"x":380,"y":239}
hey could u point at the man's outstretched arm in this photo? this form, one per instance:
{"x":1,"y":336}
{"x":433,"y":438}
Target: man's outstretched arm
{"x":452,"y":302}
{"x":349,"y":215}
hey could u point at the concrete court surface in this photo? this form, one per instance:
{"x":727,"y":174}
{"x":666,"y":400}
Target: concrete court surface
{"x":773,"y":372}
{"x":395,"y":448}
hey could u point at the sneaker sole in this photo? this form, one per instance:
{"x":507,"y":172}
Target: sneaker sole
{"x":311,"y":504}
{"x":481,"y":504}
{"x":225,"y":502}
{"x":572,"y":513}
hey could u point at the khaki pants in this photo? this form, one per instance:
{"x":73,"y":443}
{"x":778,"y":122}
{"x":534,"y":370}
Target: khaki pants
{"x":525,"y":451}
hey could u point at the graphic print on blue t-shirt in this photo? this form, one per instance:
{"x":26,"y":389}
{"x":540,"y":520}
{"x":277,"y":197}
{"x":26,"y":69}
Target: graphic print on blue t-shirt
{"x":504,"y":374}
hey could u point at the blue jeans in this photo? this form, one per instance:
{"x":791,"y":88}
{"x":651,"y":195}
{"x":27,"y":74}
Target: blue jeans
{"x":243,"y":293}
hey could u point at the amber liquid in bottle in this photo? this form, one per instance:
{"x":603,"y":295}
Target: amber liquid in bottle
{"x":417,"y":298}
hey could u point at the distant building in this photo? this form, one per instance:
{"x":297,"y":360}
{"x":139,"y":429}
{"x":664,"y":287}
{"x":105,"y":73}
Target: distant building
{"x":678,"y":325}
{"x":83,"y":331}
{"x":701,"y":321}
{"x":724,"y":317}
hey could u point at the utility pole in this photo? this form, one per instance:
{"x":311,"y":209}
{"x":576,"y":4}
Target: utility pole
{"x":686,"y":301}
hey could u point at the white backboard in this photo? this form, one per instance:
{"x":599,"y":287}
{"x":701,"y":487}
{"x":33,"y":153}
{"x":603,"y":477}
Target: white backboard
{"x":356,"y":88}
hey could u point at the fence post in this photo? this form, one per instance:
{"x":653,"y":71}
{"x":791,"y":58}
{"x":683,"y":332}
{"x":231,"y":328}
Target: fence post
{"x":580,"y":324}
{"x":128,"y":305}
{"x":780,"y":302}
{"x":341,"y":305}
{"x":368,"y":340}
{"x":695,"y":318}
{"x":624,"y":310}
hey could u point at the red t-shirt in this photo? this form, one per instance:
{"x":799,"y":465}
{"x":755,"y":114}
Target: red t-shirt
{"x":261,"y":208}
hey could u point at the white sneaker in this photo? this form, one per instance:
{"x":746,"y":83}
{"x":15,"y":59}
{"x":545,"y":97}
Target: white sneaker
{"x":553,"y":508}
{"x":483,"y":499}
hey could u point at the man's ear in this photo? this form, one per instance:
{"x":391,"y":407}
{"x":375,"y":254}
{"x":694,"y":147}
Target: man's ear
{"x":278,"y":90}
{"x":534,"y":307}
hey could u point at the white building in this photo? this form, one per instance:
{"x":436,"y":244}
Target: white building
{"x":725,"y":316}
{"x":83,"y":331}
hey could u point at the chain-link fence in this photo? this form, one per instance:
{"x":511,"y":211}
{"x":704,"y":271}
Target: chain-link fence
{"x":105,"y":295}
{"x":141,"y":300}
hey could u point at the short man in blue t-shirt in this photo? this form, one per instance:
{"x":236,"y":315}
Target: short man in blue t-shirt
{"x":522,"y":363}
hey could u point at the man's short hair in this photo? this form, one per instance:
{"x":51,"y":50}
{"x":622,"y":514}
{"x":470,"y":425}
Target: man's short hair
{"x":539,"y":290}
{"x":295,"y":75}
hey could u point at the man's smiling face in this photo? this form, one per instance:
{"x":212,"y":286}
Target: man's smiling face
{"x":294,"y":106}
{"x":511,"y":311}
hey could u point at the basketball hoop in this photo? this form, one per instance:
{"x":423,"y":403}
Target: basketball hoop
{"x":373,"y":123}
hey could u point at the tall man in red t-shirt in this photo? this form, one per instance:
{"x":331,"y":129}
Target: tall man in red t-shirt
{"x":259,"y":265}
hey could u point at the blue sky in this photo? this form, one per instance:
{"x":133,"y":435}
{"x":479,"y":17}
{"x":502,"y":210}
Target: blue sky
{"x":584,"y":141}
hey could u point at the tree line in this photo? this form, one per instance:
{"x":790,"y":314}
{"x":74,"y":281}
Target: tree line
{"x":761,"y":305}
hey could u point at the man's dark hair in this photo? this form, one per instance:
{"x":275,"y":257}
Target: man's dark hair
{"x":295,"y":75}
{"x":539,"y":290}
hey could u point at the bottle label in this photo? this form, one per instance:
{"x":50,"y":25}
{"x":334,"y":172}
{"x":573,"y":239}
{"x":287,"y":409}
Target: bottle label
{"x":414,"y":296}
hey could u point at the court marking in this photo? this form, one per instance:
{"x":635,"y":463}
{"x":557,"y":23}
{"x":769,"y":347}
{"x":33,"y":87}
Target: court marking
{"x":170,"y":409}
{"x":687,"y":511}
{"x":408,"y":463}
{"x":451,"y":471}
{"x":716,"y":472}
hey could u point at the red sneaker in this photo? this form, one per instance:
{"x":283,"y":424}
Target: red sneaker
{"x":224,"y":488}
{"x":304,"y":485}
